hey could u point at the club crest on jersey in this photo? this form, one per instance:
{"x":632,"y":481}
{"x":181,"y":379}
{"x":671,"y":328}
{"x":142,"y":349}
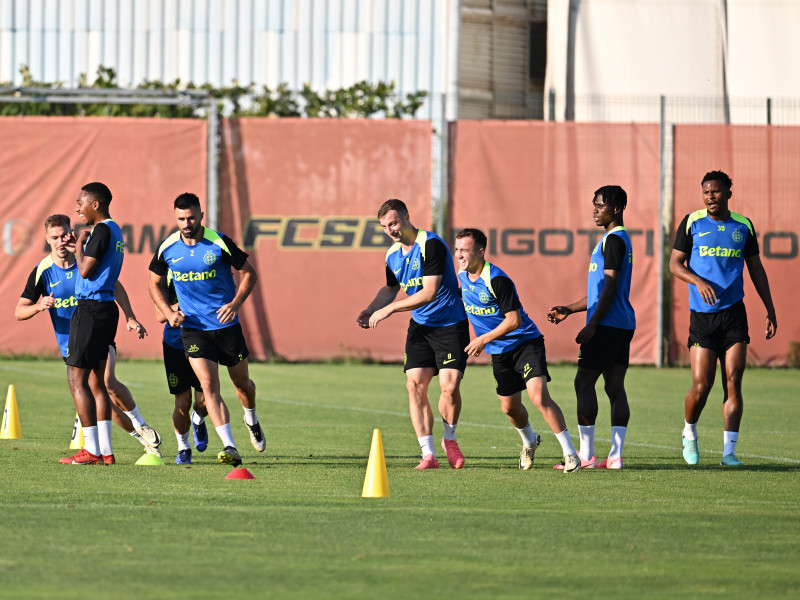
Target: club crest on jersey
{"x":209,"y":258}
{"x":737,"y":235}
{"x":484,"y":297}
{"x":415,"y":264}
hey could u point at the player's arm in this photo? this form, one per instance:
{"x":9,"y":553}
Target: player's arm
{"x":759,"y":277}
{"x":678,"y":260}
{"x":430,"y":286}
{"x":604,"y":302}
{"x":227,"y":312}
{"x":33,"y":300}
{"x":158,"y":269}
{"x":560,"y":312}
{"x":509,"y":305}
{"x":132,"y":323}
{"x":384,"y":296}
{"x":87,"y":258}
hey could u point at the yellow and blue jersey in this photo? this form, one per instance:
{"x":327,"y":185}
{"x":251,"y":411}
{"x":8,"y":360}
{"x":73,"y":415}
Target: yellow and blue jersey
{"x":429,"y":256}
{"x":487,"y":300}
{"x":201,"y":274}
{"x":48,"y":278}
{"x":615,"y":253}
{"x":717,"y":251}
{"x":107,"y":245}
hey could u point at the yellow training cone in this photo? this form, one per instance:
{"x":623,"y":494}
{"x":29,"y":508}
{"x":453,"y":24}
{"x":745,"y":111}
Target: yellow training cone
{"x":376,"y":483}
{"x":10,"y":429}
{"x":77,"y":442}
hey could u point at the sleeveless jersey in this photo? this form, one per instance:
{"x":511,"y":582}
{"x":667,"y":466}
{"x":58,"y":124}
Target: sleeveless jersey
{"x":484,"y":311}
{"x":109,"y":249}
{"x":717,"y":251}
{"x":408,"y":269}
{"x":49,"y":278}
{"x":620,"y":314}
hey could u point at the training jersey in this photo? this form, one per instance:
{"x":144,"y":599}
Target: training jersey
{"x":716,"y":251}
{"x":429,"y":256}
{"x":48,"y":278}
{"x":487,"y":300}
{"x":107,"y":245}
{"x":201,"y":275}
{"x":614,"y":253}
{"x":172,"y":335}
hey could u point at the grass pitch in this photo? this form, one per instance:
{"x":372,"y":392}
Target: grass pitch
{"x":300,"y":529}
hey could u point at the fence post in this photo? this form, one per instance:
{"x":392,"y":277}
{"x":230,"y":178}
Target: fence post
{"x":212,"y":165}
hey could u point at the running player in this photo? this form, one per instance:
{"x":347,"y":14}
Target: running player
{"x":506,"y":332}
{"x":421,"y":264}
{"x":181,"y":380}
{"x":51,"y":287}
{"x":199,"y":262}
{"x":711,"y":248}
{"x":605,"y":341}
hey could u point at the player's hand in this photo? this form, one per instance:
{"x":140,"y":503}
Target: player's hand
{"x":772,"y":326}
{"x":46,"y":302}
{"x":558,"y":314}
{"x":136,"y":327}
{"x":70,"y":243}
{"x":378,"y":316}
{"x":227,"y":312}
{"x":83,"y":237}
{"x":176,"y":318}
{"x":585,"y":334}
{"x":363,"y":319}
{"x":707,"y":293}
{"x":475,"y":347}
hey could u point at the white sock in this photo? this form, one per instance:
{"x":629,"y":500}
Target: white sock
{"x":690,"y":430}
{"x":426,"y":445}
{"x":225,"y":434}
{"x":90,"y":440}
{"x":617,"y":441}
{"x":528,"y":436}
{"x":566,"y":443}
{"x":135,"y":435}
{"x":729,"y":439}
{"x":449,"y":430}
{"x":586,"y":433}
{"x":250,"y":416}
{"x":183,"y":441}
{"x":104,"y":437}
{"x":197,"y":419}
{"x":136,"y":417}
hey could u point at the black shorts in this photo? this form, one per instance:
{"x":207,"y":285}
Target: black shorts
{"x":514,"y":368}
{"x":92,"y":330}
{"x":225,"y":346}
{"x":718,"y":331}
{"x":436,"y":347}
{"x":609,"y":346}
{"x":180,"y":376}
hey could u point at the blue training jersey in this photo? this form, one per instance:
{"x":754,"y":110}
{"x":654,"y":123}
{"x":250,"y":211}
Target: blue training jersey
{"x":621,"y":313}
{"x":487,"y":300}
{"x":48,"y":278}
{"x":107,"y":245}
{"x":429,"y":256}
{"x":201,"y":274}
{"x":717,"y":251}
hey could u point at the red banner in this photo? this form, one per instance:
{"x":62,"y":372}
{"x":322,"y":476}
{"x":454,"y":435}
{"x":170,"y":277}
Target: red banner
{"x":529,"y":186}
{"x":763,"y":163}
{"x":300,"y":196}
{"x":45,"y":160}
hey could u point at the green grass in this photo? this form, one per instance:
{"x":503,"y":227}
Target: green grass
{"x":658,"y":529}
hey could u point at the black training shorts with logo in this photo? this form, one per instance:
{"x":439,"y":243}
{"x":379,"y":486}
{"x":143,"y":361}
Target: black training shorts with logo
{"x":609,"y":346}
{"x":513,"y":369}
{"x":436,"y":347}
{"x":92,"y":329}
{"x":718,"y":331}
{"x":225,"y":346}
{"x":180,"y":376}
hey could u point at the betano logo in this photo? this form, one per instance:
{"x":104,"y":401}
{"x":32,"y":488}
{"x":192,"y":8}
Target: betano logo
{"x":414,"y":281}
{"x":722,"y":252}
{"x":65,"y":302}
{"x":193,"y":275}
{"x":480,"y":310}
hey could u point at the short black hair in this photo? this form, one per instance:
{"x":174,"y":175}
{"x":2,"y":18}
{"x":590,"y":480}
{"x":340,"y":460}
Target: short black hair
{"x":613,"y":195}
{"x":475,"y":234}
{"x":187,"y":200}
{"x":720,"y":176}
{"x":392,"y":204}
{"x":56,"y":221}
{"x":100,"y":192}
